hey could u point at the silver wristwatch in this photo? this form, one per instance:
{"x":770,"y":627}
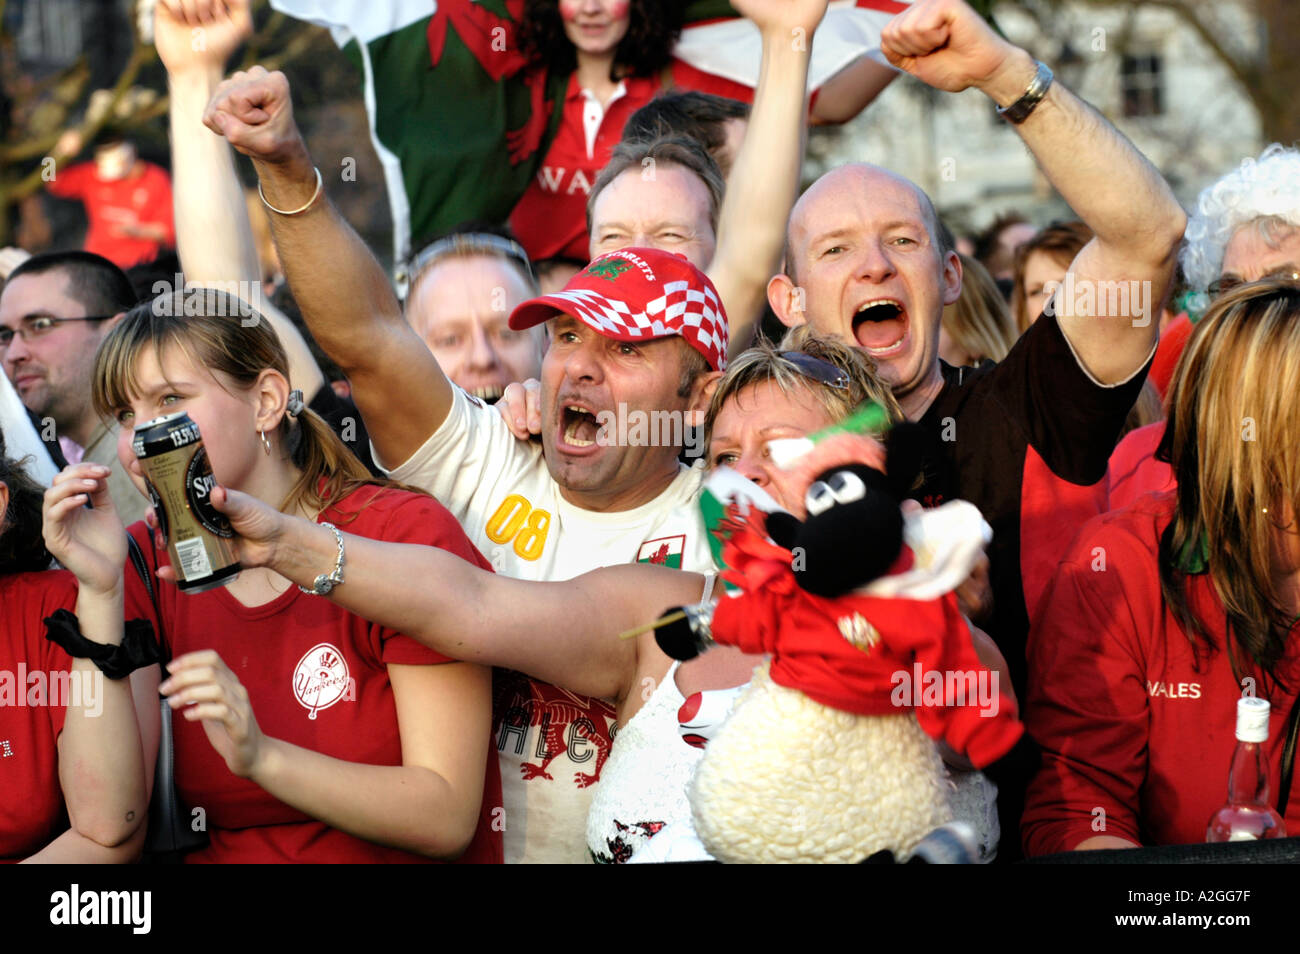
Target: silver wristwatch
{"x":1019,"y":111}
{"x":324,"y":583}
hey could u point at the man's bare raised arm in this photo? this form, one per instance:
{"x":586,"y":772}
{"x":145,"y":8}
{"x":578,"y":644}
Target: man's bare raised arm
{"x":1106,"y":181}
{"x":344,"y":295}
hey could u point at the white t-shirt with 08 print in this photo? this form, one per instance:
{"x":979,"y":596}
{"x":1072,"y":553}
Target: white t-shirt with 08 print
{"x":552,"y":742}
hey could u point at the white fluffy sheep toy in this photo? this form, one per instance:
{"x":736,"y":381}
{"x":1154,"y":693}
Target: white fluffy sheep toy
{"x":830,"y":754}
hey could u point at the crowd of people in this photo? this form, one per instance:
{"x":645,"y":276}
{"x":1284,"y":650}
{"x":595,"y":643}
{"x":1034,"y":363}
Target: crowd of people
{"x":441,"y":542}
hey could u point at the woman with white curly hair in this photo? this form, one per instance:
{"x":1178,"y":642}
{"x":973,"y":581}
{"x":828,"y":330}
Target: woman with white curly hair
{"x":1246,"y":226}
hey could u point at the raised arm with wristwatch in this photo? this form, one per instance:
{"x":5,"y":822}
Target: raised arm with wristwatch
{"x":1136,"y":220}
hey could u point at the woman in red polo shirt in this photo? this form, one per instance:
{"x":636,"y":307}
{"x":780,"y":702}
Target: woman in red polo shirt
{"x":1167,"y":611}
{"x":617,"y":55}
{"x":72,"y":779}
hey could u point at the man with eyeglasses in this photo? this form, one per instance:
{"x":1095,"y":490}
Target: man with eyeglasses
{"x":54,"y":312}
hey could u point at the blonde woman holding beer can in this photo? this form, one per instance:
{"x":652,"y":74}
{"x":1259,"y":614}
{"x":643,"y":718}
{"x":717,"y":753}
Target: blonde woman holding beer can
{"x":302,"y":731}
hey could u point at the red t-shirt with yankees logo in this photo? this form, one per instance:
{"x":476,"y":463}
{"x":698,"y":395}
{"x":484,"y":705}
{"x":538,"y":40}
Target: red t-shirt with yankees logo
{"x":550,"y":219}
{"x":317,"y":677}
{"x":31,"y":799}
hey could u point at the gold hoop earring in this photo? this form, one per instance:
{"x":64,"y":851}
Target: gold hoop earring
{"x":266,"y":444}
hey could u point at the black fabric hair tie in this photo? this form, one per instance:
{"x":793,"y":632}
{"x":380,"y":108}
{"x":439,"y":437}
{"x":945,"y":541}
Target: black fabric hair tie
{"x":138,"y":648}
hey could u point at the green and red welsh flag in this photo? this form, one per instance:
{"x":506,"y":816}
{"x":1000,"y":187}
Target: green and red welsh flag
{"x":461,"y":124}
{"x":447,"y":94}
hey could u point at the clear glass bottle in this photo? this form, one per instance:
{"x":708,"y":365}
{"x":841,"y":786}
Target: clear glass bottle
{"x":1248,"y":816}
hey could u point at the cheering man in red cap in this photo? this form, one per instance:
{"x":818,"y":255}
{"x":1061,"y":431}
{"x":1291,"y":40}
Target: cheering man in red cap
{"x":633,"y":337}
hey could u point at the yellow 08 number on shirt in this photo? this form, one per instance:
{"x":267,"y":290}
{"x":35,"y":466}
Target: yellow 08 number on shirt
{"x":516,"y":519}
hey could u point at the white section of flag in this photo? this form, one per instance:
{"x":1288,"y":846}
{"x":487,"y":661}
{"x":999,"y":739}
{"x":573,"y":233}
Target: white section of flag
{"x":732,"y":49}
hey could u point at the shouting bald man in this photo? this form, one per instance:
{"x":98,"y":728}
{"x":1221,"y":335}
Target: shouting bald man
{"x":868,"y":261}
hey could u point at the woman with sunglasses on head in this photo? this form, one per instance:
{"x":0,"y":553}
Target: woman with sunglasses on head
{"x":565,"y":632}
{"x":74,"y":783}
{"x":306,"y":733}
{"x":1139,"y":661}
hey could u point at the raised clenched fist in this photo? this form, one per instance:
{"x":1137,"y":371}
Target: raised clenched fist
{"x":189,"y":34}
{"x":254,"y":112}
{"x":945,"y":44}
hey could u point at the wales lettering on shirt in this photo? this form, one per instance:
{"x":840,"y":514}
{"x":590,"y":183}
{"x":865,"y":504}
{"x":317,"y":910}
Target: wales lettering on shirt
{"x":1173,"y":690}
{"x":557,"y":179}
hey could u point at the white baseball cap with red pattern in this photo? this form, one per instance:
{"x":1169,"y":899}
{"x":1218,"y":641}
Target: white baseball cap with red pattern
{"x":639,"y":294}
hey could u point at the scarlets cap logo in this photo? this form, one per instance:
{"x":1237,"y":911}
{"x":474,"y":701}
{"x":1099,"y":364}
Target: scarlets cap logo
{"x":320,"y":679}
{"x":609,"y":268}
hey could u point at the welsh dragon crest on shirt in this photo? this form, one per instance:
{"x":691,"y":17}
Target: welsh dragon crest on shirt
{"x":663,"y":551}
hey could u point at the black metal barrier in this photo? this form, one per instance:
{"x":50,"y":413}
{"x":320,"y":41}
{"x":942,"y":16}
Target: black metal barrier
{"x":1272,"y":851}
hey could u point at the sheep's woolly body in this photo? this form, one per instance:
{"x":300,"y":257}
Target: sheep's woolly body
{"x":789,"y":779}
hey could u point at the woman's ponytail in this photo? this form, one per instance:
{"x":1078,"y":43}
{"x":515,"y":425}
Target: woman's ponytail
{"x":330,"y":471}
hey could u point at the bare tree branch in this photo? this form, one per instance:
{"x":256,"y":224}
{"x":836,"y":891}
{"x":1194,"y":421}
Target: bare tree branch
{"x":289,"y":38}
{"x":34,"y":180}
{"x":1247,"y":76}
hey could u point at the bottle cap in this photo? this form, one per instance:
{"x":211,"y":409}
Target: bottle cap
{"x":1252,"y":719}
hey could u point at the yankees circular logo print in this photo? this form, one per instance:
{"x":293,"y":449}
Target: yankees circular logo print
{"x":320,"y":679}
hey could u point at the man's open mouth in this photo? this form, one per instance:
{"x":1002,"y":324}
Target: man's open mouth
{"x":488,"y":395}
{"x":880,"y":326}
{"x":578,"y":426}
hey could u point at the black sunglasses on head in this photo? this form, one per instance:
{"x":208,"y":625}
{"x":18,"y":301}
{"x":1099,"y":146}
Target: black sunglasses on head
{"x":823,"y":372}
{"x":470,"y":243}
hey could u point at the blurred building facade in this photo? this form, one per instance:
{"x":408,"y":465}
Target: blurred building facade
{"x":1143,"y":67}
